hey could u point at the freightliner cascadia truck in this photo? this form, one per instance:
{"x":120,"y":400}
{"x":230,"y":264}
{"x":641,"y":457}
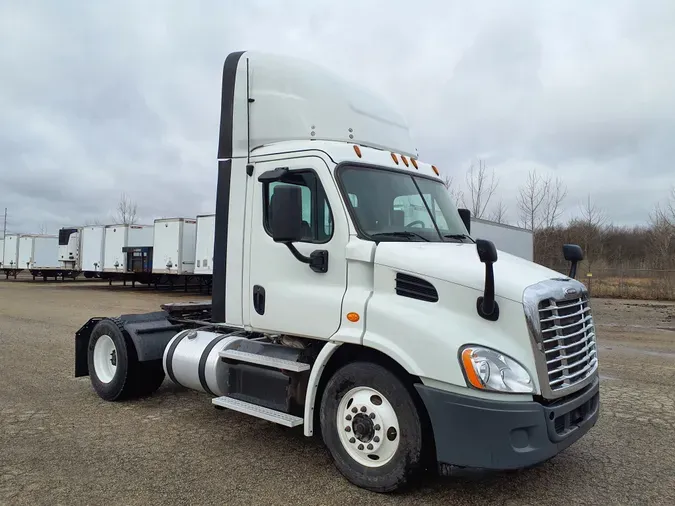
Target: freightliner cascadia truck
{"x":408,"y":345}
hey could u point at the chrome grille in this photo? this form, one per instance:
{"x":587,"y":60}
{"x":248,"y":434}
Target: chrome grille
{"x":568,"y":340}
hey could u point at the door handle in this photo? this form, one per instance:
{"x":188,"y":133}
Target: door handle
{"x":259,"y":299}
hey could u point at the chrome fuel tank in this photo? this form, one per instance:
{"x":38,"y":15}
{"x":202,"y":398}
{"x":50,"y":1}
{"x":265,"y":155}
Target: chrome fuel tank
{"x":191,"y":360}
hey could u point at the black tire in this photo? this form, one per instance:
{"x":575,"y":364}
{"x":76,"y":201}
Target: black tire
{"x":132,"y":378}
{"x":410,"y":459}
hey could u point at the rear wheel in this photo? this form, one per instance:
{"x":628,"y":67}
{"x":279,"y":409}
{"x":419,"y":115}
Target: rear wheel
{"x":371,"y":426}
{"x":114,"y":369}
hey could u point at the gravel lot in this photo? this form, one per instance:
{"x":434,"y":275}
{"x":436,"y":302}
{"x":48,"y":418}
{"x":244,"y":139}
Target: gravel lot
{"x":61,"y":444}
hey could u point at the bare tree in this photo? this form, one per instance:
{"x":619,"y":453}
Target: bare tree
{"x":591,"y":214}
{"x":591,"y":229}
{"x":456,"y":193}
{"x":126,"y":210}
{"x":662,"y":236}
{"x":531,"y":199}
{"x":43,"y":229}
{"x":498,"y":214}
{"x":481,"y":188}
{"x":540,"y":201}
{"x":555,"y":195}
{"x":93,"y":221}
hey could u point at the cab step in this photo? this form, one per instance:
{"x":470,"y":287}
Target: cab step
{"x":268,"y":414}
{"x":254,"y":358}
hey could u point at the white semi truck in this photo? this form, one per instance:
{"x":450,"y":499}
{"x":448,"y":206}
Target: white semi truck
{"x":407,"y":345}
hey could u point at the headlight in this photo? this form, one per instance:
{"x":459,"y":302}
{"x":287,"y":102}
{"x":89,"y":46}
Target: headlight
{"x":487,"y":369}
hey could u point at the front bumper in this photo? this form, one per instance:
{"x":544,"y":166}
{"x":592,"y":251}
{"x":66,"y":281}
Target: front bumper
{"x":480,"y":433}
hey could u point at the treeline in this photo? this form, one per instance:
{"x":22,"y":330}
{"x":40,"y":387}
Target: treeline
{"x":619,"y":258}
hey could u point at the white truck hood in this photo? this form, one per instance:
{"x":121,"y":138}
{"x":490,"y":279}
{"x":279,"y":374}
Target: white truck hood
{"x":459,"y":263}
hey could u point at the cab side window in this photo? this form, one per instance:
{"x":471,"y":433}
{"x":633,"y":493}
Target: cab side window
{"x":317,"y":218}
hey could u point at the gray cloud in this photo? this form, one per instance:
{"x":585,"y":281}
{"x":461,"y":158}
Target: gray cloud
{"x":97,"y":99}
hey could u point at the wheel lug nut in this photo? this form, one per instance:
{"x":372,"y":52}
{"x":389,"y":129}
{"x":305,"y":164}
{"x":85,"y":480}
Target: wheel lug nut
{"x":372,"y":416}
{"x":354,"y":410}
{"x":360,"y":447}
{"x":348,"y":428}
{"x":349,"y":417}
{"x":376,"y":439}
{"x":377,"y":427}
{"x":352,"y":440}
{"x":363,"y":409}
{"x":370,"y":447}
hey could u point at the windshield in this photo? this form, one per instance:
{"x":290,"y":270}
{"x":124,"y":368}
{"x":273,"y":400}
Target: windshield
{"x":394,"y":206}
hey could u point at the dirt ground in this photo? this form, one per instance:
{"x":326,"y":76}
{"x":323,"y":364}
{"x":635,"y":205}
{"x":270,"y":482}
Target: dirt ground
{"x":61,"y":444}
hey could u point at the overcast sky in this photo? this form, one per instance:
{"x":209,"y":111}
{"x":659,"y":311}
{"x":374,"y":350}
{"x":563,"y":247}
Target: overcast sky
{"x":97,"y":98}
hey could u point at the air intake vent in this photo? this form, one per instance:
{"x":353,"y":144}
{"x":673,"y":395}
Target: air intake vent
{"x":415,"y":288}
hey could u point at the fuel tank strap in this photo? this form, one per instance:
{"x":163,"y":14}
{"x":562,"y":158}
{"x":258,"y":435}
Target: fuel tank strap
{"x":169,"y":357}
{"x":202,"y":363}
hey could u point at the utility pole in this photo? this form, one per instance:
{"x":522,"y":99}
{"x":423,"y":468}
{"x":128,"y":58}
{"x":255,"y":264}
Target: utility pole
{"x":4,"y":233}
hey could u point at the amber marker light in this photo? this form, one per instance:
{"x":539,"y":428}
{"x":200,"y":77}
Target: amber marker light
{"x":438,"y":173}
{"x":393,"y":157}
{"x":405,"y":160}
{"x":353,"y":317}
{"x":470,"y":371}
{"x":357,"y":150}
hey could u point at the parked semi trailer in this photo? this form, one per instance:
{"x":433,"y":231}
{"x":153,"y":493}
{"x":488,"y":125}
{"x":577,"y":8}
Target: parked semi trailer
{"x":411,"y":345}
{"x":117,"y":238}
{"x":174,"y":246}
{"x":507,"y":238}
{"x":70,"y":243}
{"x":206,"y":227}
{"x":10,"y":258}
{"x":38,"y":254}
{"x":92,"y":250}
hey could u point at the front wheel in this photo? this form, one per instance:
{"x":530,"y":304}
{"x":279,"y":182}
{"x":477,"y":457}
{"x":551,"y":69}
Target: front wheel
{"x":372,"y":428}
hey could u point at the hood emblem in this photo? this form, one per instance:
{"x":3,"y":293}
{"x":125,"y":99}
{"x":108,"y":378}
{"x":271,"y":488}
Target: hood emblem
{"x":570,"y":291}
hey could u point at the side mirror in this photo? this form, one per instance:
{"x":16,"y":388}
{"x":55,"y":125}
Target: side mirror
{"x":487,"y":252}
{"x":465,"y":214}
{"x":573,"y":254}
{"x":486,"y":305}
{"x":286,"y":214}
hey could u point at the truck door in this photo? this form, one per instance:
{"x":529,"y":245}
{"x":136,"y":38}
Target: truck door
{"x":284,"y":294}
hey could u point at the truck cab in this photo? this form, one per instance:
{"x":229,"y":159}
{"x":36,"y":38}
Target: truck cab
{"x":350,"y":298}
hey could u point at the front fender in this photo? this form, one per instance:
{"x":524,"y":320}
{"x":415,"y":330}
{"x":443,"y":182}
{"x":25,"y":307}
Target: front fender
{"x":425,"y":338}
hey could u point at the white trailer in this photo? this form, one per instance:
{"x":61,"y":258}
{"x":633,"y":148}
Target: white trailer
{"x":173,"y":250}
{"x":507,"y":238}
{"x":118,"y":237}
{"x":92,"y":241}
{"x":70,"y":242}
{"x":10,"y":260}
{"x":206,"y":228}
{"x":38,"y":252}
{"x":26,"y":250}
{"x":2,"y":250}
{"x":413,"y":345}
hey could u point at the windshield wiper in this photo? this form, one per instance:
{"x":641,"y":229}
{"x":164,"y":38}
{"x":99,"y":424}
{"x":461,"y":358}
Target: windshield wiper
{"x":456,"y":236}
{"x":400,"y":234}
